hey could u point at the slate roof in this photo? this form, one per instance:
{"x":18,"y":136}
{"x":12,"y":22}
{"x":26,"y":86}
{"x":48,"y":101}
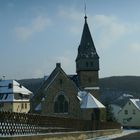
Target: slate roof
{"x":86,"y":47}
{"x":75,"y":79}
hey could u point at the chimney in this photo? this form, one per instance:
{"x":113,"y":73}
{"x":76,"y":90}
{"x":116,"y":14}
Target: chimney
{"x":58,"y":65}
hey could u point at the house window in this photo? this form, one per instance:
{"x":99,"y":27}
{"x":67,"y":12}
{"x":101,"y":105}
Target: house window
{"x":25,"y":105}
{"x":61,"y":104}
{"x":18,"y":96}
{"x":134,"y":112}
{"x":125,"y":112}
{"x":22,"y":105}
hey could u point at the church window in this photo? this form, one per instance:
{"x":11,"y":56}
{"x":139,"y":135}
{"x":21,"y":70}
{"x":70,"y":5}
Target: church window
{"x":91,"y":64}
{"x":60,"y":81}
{"x":86,"y":64}
{"x":61,"y":104}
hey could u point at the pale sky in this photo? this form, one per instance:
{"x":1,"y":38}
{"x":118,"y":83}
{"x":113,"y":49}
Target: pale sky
{"x":36,"y":34}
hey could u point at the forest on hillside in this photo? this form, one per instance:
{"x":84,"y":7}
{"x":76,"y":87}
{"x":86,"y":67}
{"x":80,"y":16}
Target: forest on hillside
{"x":111,"y":88}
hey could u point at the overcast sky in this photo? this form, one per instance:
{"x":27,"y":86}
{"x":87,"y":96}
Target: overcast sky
{"x":36,"y":34}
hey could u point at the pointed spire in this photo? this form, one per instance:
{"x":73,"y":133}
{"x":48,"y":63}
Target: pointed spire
{"x":87,"y":51}
{"x":87,"y":47}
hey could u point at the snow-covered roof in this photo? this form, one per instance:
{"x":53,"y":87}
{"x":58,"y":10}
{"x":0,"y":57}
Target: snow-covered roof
{"x":9,"y":88}
{"x":136,"y":102}
{"x":91,"y":88}
{"x":128,"y":95}
{"x":89,"y":101}
{"x":15,"y":87}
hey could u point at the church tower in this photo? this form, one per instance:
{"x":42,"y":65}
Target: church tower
{"x":87,"y":62}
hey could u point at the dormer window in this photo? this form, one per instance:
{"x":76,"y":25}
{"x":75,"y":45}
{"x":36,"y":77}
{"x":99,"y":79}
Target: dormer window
{"x":6,"y":96}
{"x":1,"y":96}
{"x":20,"y":85}
{"x":10,"y":85}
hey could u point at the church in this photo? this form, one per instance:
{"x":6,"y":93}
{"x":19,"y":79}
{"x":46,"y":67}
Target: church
{"x":74,"y":96}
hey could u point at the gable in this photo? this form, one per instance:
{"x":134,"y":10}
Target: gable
{"x":61,"y":82}
{"x":56,"y":82}
{"x":129,"y":106}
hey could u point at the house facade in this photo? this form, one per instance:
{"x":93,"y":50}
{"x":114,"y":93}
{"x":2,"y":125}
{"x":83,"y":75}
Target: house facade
{"x":73,"y":95}
{"x":129,"y":115}
{"x":14,"y":97}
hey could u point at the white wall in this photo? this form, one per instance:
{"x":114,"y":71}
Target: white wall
{"x":129,"y":119}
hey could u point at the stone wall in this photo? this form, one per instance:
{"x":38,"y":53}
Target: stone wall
{"x":69,"y":90}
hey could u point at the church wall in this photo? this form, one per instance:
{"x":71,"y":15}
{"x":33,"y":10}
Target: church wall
{"x":88,"y":78}
{"x":87,"y":114}
{"x":67,"y":88}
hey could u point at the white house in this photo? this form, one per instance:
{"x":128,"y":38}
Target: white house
{"x":129,"y":115}
{"x":14,"y":97}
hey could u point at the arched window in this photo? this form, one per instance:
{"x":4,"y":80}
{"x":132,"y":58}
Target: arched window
{"x":61,"y":104}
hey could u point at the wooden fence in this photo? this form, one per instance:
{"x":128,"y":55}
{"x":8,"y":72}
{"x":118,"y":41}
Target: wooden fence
{"x":22,"y":124}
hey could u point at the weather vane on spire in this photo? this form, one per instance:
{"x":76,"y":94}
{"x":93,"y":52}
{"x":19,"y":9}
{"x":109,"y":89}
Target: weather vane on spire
{"x":85,"y":9}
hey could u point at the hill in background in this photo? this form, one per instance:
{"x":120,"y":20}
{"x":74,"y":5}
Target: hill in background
{"x":114,"y":89}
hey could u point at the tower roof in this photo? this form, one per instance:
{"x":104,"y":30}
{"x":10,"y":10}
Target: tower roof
{"x":87,"y":47}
